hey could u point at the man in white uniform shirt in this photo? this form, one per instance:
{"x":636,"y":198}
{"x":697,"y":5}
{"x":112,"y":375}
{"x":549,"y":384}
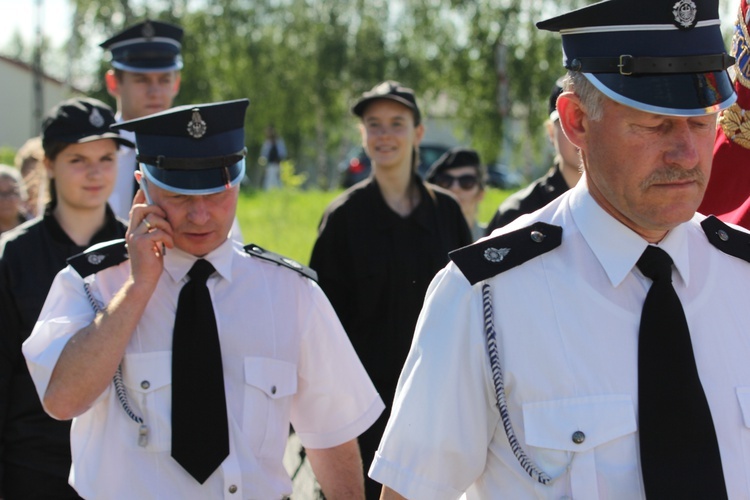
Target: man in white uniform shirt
{"x":214,"y":348}
{"x":144,"y":79}
{"x":549,"y":359}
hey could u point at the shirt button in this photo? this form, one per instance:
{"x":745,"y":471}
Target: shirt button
{"x":537,"y":237}
{"x":273,"y":389}
{"x":233,"y":489}
{"x":145,"y":384}
{"x":723,"y":236}
{"x":578,"y":437}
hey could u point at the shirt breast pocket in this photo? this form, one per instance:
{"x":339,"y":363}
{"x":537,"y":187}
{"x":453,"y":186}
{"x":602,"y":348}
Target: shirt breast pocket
{"x":269,"y":387}
{"x":587,"y":437}
{"x":148,"y":382}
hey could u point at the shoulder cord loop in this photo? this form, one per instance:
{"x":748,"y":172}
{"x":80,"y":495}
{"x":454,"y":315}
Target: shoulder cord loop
{"x":497,"y":378}
{"x":120,"y":390}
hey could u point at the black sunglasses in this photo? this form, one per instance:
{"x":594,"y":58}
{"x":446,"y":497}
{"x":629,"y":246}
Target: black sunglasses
{"x":465,"y":182}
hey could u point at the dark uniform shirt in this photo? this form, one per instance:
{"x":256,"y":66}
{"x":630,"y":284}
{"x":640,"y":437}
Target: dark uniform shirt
{"x":34,"y":448}
{"x":375,"y":266}
{"x":529,"y":199}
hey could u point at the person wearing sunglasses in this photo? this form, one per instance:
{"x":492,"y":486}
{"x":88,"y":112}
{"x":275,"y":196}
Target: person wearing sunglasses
{"x":460,"y":171}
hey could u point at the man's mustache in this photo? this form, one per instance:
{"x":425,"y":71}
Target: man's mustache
{"x":668,"y":174}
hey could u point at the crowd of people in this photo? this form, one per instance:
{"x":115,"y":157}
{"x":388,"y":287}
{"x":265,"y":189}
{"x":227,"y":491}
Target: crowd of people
{"x":586,"y":343}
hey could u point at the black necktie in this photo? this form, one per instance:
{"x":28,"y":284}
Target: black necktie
{"x":679,"y":453}
{"x":200,"y":434}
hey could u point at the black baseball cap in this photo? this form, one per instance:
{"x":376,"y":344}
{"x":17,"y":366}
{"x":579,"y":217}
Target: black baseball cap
{"x":660,"y":56}
{"x":78,"y":120}
{"x":553,"y":95}
{"x":393,"y":91}
{"x":195,"y":149}
{"x":146,"y":47}
{"x":454,"y":158}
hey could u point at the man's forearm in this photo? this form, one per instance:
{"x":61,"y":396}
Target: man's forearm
{"x":339,"y":471}
{"x":91,"y":357}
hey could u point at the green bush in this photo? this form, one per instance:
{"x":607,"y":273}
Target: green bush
{"x":286,"y":220}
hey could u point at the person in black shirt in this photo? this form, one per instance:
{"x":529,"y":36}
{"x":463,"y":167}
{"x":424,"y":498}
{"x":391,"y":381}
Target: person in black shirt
{"x":80,"y":157}
{"x":563,"y":175}
{"x":380,"y":244}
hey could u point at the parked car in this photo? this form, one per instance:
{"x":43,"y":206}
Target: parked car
{"x":356,"y":166}
{"x":502,"y":177}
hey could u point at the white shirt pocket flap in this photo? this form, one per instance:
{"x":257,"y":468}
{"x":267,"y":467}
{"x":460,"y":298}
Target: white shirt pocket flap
{"x":578,"y":424}
{"x":147,"y":372}
{"x":743,"y":395}
{"x":275,"y":378}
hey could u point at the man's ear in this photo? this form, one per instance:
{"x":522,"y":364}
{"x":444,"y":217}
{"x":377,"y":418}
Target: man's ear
{"x":113,"y":85}
{"x":573,"y":118}
{"x":177,"y":80}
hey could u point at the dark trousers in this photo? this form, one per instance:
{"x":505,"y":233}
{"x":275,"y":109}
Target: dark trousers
{"x":21,"y":483}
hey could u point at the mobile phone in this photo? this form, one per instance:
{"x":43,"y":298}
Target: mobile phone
{"x":144,"y":187}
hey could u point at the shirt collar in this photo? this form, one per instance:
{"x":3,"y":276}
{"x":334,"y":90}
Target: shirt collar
{"x":177,"y":263}
{"x":616,"y":246}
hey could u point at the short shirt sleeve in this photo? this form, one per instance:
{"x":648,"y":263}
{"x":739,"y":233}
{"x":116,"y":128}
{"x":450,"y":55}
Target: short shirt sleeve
{"x":66,"y":310}
{"x":443,"y":418}
{"x":335,"y":401}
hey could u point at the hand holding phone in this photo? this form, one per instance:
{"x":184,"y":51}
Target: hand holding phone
{"x":143,"y":183}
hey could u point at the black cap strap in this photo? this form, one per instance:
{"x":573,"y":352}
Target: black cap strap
{"x":630,"y":65}
{"x":165,"y":163}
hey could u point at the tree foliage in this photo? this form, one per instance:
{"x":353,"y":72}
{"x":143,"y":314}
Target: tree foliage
{"x":303,"y":62}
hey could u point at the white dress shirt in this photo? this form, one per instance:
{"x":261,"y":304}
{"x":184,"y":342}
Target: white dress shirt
{"x":567,"y":328}
{"x":285,"y":358}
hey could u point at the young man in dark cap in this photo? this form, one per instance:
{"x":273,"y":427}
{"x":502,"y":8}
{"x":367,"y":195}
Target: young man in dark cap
{"x":597,"y":349}
{"x":460,"y":171}
{"x":214,"y":348}
{"x":563,"y":175}
{"x":144,"y":79}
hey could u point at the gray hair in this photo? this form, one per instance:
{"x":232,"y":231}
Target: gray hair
{"x":12,"y":173}
{"x":591,"y":98}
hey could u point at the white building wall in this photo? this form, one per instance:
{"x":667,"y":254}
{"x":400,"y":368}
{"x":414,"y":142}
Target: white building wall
{"x":17,"y":110}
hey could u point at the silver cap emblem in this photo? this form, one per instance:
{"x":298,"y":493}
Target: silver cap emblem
{"x":685,"y":13}
{"x":496,"y":254}
{"x":196,"y":126}
{"x":95,"y":259}
{"x":148,"y":30}
{"x":96,"y":119}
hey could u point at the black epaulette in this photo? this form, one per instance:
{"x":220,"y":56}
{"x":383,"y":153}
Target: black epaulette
{"x":292,"y":264}
{"x":491,"y":257}
{"x":99,"y":257}
{"x":726,"y":238}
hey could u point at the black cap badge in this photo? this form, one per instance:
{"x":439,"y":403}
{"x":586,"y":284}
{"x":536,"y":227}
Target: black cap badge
{"x":148,"y":30}
{"x":96,"y":119}
{"x":196,"y":126}
{"x":685,"y":13}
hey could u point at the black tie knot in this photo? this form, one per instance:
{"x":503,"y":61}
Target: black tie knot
{"x":200,"y":271}
{"x":655,"y":263}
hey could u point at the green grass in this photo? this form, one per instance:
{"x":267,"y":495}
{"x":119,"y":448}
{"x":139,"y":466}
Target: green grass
{"x":286,"y":220}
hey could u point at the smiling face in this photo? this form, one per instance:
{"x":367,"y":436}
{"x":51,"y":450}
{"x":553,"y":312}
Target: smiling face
{"x":648,"y":171}
{"x":142,"y":94}
{"x":389,"y":135}
{"x":200,"y":223}
{"x":84,"y":174}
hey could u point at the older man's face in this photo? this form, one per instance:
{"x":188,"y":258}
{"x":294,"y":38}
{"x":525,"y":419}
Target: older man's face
{"x":648,"y":171}
{"x":200,"y":223}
